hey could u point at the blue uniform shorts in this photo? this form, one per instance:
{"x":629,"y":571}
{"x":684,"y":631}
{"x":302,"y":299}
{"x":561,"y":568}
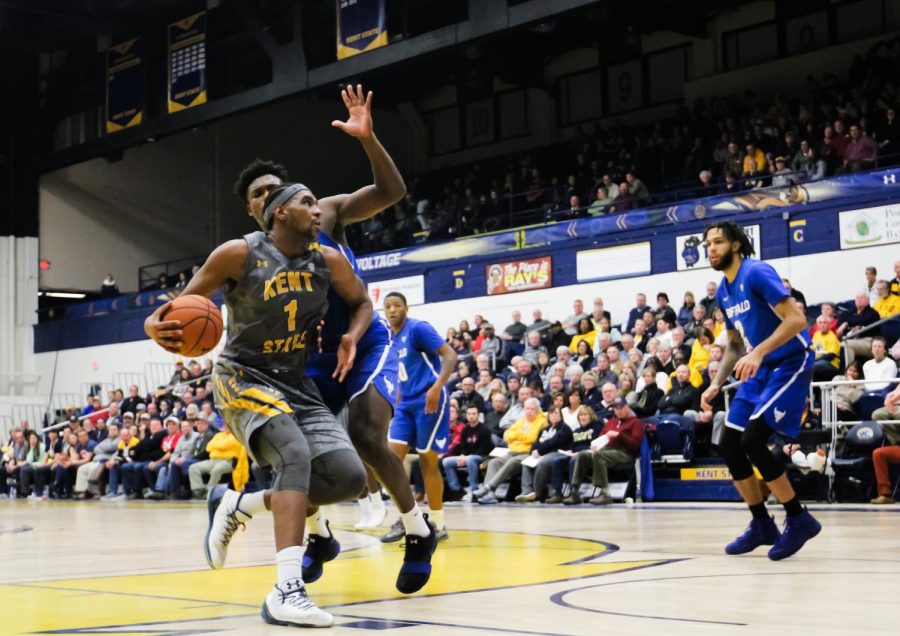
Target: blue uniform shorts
{"x":777,"y":393}
{"x":419,"y":430}
{"x":376,"y":363}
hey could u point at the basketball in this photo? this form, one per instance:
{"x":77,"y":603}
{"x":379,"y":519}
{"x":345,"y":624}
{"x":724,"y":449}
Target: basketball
{"x":201,"y":322}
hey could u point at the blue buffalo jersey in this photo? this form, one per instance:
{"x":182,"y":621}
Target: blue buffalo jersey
{"x":337,"y":318}
{"x":417,"y":344}
{"x":748,"y":303}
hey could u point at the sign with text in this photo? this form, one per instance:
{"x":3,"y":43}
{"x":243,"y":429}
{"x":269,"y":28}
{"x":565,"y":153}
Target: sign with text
{"x":690,"y":251}
{"x":870,"y":226}
{"x":187,"y":62}
{"x":361,"y":27}
{"x":521,"y":275}
{"x":124,"y":85}
{"x":607,"y":263}
{"x":412,"y":288}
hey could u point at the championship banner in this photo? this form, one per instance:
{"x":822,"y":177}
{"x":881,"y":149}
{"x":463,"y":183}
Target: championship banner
{"x":124,"y":90}
{"x":522,"y":275}
{"x":361,"y":27}
{"x":187,"y":63}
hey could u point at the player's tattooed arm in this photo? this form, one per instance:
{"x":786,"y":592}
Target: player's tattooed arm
{"x":226,"y":263}
{"x":349,"y":287}
{"x":388,"y":186}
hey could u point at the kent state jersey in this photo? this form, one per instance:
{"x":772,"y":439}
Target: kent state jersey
{"x":417,"y":345}
{"x":748,"y":303}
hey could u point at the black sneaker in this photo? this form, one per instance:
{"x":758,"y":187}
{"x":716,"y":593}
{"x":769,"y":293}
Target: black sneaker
{"x":416,"y":568}
{"x":319,"y":550}
{"x":396,"y":533}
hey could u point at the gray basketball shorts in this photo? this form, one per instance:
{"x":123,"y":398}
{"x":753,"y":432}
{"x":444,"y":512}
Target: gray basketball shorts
{"x":248,"y":398}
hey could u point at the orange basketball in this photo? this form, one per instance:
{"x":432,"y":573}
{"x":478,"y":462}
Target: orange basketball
{"x":201,"y":322}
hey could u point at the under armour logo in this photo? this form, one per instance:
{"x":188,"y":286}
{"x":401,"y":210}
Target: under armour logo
{"x":779,"y":415}
{"x":293,"y":585}
{"x":260,"y":263}
{"x":413,"y":541}
{"x":890,"y":178}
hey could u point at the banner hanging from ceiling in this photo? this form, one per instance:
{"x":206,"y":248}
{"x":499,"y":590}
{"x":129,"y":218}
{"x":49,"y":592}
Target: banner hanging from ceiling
{"x":361,"y":27}
{"x":124,"y":85}
{"x":187,"y":62}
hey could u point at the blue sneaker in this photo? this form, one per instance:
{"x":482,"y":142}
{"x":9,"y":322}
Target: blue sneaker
{"x":319,"y":550}
{"x":797,"y":531}
{"x":759,"y":532}
{"x":416,"y":568}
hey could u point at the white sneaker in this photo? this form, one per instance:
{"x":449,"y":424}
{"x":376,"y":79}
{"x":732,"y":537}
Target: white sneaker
{"x":34,"y":497}
{"x":376,"y":516}
{"x":291,"y":606}
{"x":224,"y":520}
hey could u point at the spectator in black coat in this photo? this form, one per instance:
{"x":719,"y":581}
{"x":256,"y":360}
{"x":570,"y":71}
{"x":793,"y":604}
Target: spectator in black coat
{"x":474,"y":447}
{"x":469,"y":396}
{"x":647,"y":399}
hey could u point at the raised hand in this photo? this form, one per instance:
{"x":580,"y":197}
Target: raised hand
{"x":359,"y":109}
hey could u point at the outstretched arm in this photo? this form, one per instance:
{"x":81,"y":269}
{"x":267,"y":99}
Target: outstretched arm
{"x":225,"y":263}
{"x":349,"y":287}
{"x":388,"y":187}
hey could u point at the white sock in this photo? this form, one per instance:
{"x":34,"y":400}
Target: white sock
{"x":315,"y":524}
{"x":289,"y":562}
{"x":365,"y":507}
{"x":252,"y":503}
{"x":414,"y":522}
{"x":437,"y":518}
{"x":377,"y":503}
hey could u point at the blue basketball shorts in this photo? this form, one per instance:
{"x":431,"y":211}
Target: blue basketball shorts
{"x":377,"y":364}
{"x":419,"y":430}
{"x":777,"y":393}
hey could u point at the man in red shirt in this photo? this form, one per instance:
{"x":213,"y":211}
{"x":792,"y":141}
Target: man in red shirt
{"x":156,"y":472}
{"x":619,"y":443}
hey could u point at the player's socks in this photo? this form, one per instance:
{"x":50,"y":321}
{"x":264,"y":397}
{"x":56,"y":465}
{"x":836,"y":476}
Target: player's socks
{"x":379,"y":510}
{"x":414,"y":522}
{"x":759,"y":510}
{"x":365,"y":512}
{"x":793,"y":507}
{"x":288,"y":602}
{"x":253,"y":503}
{"x":416,"y":568}
{"x":321,"y":547}
{"x":288,"y":562}
{"x":437,"y":518}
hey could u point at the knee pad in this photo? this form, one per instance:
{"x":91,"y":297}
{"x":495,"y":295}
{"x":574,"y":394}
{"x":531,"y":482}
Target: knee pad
{"x":755,"y":442}
{"x":336,"y":476}
{"x":280,"y":443}
{"x":735,"y":458}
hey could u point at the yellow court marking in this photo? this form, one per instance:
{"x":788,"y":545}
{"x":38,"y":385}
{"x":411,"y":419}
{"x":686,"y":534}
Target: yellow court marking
{"x":470,"y":561}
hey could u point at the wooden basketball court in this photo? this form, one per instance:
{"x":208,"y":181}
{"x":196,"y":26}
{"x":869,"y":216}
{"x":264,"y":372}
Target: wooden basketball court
{"x":138,"y":568}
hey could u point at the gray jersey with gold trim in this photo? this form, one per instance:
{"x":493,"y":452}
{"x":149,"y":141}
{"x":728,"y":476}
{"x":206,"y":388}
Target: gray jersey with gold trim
{"x":274,"y":311}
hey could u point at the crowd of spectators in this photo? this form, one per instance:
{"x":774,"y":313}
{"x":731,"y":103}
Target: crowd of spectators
{"x":726,"y":144}
{"x":169,"y":444}
{"x":552,"y":402}
{"x":572,"y":397}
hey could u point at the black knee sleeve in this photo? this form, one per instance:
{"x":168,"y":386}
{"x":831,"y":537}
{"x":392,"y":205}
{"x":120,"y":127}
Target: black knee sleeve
{"x":733,"y":453}
{"x":755,"y":442}
{"x":336,"y":476}
{"x":280,"y":443}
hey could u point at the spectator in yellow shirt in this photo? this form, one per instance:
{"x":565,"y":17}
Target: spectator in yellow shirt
{"x":223,"y":449}
{"x":828,"y":350}
{"x":520,"y":437}
{"x":754,"y":153}
{"x":888,"y":304}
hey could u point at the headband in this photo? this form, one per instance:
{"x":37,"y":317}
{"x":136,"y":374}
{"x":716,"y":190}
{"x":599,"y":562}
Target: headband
{"x":283,"y":197}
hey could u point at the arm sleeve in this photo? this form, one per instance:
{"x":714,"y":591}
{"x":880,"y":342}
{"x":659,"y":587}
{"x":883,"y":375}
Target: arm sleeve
{"x":425,"y":338}
{"x":765,"y":283}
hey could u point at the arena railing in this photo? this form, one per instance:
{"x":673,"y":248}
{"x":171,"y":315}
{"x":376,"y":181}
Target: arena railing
{"x":15,"y":383}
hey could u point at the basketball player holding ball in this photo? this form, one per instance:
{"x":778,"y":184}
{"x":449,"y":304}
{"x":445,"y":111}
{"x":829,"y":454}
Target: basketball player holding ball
{"x":370,"y":387}
{"x":276,"y":286}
